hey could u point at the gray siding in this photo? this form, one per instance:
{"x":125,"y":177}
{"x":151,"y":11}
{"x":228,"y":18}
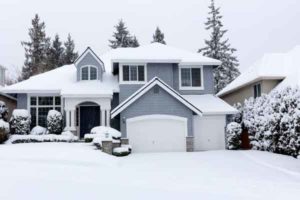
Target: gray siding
{"x":161,"y":103}
{"x":22,"y":101}
{"x":89,"y":60}
{"x":169,"y":73}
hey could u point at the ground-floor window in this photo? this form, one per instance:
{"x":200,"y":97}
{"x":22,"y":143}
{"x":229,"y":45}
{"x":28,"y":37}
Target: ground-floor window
{"x":40,"y":106}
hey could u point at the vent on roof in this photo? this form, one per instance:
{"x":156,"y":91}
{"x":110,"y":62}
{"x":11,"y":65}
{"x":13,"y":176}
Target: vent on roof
{"x":156,"y":90}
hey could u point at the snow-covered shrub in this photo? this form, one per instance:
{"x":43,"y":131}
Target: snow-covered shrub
{"x":54,"y":122}
{"x":233,"y":133}
{"x":273,"y":121}
{"x":3,"y":111}
{"x":4,"y":131}
{"x":124,"y":150}
{"x":38,"y":130}
{"x":20,"y":122}
{"x":64,"y":137}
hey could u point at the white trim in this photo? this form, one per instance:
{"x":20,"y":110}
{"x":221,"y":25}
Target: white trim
{"x":146,"y":88}
{"x":190,"y":87}
{"x":89,"y":72}
{"x":121,"y":81}
{"x":160,"y":117}
{"x":89,"y":50}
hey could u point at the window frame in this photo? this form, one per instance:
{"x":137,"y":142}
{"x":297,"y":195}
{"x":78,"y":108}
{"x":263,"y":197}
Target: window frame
{"x":37,"y":106}
{"x":191,"y":87}
{"x":121,"y":66}
{"x":255,"y":90}
{"x":89,"y":72}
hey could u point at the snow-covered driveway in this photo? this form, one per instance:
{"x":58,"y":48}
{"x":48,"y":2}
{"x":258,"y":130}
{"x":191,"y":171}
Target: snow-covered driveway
{"x":76,"y":171}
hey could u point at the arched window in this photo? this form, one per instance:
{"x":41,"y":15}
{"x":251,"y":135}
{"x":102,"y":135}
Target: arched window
{"x":89,"y":73}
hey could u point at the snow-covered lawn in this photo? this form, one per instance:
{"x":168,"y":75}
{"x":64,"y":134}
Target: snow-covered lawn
{"x":77,"y":171}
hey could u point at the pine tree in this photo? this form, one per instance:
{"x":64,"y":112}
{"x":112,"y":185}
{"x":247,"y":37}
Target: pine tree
{"x":69,"y":55}
{"x":36,"y":49}
{"x":158,"y":36}
{"x":56,"y":53}
{"x":220,"y":49}
{"x":134,"y":42}
{"x":122,"y":37}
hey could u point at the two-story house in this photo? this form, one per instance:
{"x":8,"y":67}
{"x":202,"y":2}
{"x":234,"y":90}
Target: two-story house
{"x":160,"y":98}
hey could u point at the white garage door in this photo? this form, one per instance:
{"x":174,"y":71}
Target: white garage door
{"x":157,"y":133}
{"x":209,"y":132}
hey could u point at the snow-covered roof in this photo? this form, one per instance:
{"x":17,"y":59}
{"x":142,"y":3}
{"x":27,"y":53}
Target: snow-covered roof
{"x":63,"y":80}
{"x":210,"y":104}
{"x":276,"y":66}
{"x":156,"y":53}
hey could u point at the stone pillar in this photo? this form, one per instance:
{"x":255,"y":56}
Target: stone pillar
{"x":108,"y":117}
{"x":124,"y":141}
{"x":107,"y":146}
{"x":189,"y":144}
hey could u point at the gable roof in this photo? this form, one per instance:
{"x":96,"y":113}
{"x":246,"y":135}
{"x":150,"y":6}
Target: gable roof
{"x":155,"y":81}
{"x":276,"y":66}
{"x":89,"y":50}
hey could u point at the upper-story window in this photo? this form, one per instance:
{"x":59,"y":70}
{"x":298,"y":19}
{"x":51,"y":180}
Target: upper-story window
{"x":257,"y":90}
{"x":134,"y":74}
{"x":190,"y":78}
{"x":89,"y":73}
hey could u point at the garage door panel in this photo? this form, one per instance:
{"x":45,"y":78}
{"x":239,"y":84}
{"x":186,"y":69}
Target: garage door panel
{"x":157,"y":134}
{"x":209,"y":132}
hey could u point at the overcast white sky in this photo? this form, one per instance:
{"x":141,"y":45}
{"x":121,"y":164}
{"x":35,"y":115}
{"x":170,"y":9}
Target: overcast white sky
{"x":255,"y":26}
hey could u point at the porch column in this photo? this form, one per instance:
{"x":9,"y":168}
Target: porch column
{"x":108,"y":117}
{"x":102,"y":117}
{"x":67,"y":120}
{"x":70,"y":122}
{"x":73,"y":125}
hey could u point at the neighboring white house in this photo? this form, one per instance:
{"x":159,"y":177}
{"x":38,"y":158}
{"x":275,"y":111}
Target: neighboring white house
{"x":273,"y":70}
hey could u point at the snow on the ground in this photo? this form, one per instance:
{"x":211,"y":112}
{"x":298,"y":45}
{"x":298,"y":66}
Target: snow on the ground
{"x":78,"y":171}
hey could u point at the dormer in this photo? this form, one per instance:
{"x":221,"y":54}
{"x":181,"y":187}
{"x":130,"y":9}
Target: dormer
{"x":89,"y":66}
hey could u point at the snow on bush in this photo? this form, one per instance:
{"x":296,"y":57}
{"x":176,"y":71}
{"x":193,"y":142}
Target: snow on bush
{"x":4,"y":131}
{"x":54,"y":122}
{"x":233,"y":133}
{"x":273,"y":121}
{"x":64,"y":137}
{"x":20,"y":122}
{"x":38,"y":130}
{"x":104,"y":133}
{"x":124,"y":150}
{"x":3,"y":111}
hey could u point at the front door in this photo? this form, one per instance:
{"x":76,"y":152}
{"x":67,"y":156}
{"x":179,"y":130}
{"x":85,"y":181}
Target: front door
{"x":89,"y":118}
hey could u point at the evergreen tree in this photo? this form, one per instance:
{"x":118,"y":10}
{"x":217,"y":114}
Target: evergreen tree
{"x":158,"y":36}
{"x":56,"y":53}
{"x":134,"y":42}
{"x":35,"y":49}
{"x":69,"y":55}
{"x":220,"y":49}
{"x":122,"y":37}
